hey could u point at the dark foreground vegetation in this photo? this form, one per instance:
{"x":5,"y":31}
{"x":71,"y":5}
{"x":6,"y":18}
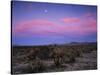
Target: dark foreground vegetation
{"x":54,"y":58}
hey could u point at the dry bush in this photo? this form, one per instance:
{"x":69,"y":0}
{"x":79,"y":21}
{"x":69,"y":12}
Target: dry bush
{"x":36,"y":65}
{"x":32,"y":54}
{"x":57,"y":55}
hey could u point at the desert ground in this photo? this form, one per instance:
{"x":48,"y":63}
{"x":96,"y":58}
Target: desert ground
{"x":53,"y":58}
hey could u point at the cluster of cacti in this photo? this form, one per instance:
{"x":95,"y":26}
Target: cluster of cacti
{"x":37,"y":65}
{"x":57,"y":55}
{"x":32,"y":54}
{"x":51,"y":57}
{"x":64,"y":55}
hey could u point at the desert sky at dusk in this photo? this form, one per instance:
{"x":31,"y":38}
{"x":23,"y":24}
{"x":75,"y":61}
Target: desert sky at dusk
{"x":35,"y":23}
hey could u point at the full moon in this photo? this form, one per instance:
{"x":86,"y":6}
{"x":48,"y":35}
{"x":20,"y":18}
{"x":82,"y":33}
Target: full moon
{"x":45,"y":11}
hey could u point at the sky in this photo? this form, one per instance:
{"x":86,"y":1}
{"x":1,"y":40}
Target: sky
{"x":36,"y":23}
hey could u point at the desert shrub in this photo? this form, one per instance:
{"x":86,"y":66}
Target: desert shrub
{"x":57,"y":55}
{"x":32,"y":54}
{"x":70,"y":57}
{"x":37,"y":65}
{"x":77,"y":52}
{"x":44,"y":53}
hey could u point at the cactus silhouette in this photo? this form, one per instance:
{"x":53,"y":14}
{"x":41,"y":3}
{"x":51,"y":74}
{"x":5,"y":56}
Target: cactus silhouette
{"x":57,"y":56}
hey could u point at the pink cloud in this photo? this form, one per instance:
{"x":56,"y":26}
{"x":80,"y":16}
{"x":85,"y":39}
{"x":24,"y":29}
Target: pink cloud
{"x":84,"y":25}
{"x":33,"y":26}
{"x":80,"y":27}
{"x":70,"y":20}
{"x":89,"y":23}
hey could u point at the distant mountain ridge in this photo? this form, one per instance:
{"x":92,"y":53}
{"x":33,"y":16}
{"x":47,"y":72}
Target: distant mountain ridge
{"x":82,"y":43}
{"x":71,"y":43}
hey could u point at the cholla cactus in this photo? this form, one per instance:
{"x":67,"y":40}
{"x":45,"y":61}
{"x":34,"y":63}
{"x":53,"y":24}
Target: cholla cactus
{"x":37,"y":65}
{"x":32,"y":54}
{"x":57,"y":56}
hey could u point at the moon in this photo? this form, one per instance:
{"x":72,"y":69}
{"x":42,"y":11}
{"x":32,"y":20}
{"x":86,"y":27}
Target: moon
{"x":45,"y":11}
